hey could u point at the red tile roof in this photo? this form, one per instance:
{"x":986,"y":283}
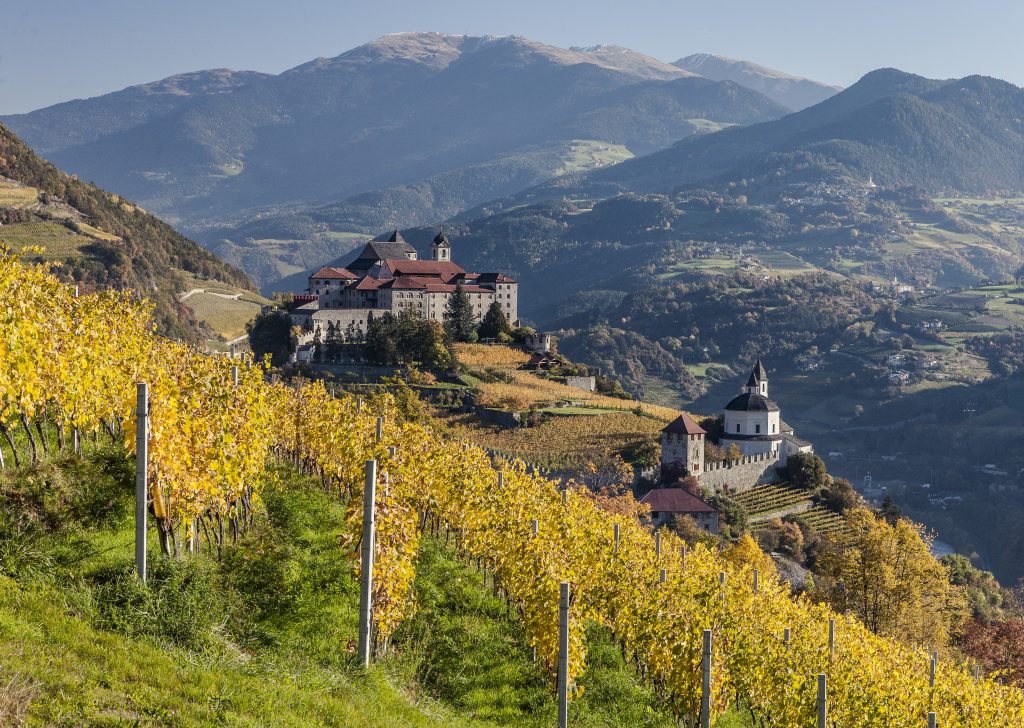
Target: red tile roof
{"x":445,"y":270}
{"x":328,"y":272}
{"x":450,"y":288}
{"x":684,"y":425}
{"x":368,"y":284}
{"x":675,"y":500}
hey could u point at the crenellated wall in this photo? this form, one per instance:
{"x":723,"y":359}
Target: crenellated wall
{"x":737,"y":476}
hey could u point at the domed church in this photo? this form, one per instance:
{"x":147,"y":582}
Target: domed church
{"x":753,"y":424}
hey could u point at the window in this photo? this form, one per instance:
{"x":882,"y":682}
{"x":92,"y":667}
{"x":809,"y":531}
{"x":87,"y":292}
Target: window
{"x":757,"y":429}
{"x":773,"y":429}
{"x":737,"y":427}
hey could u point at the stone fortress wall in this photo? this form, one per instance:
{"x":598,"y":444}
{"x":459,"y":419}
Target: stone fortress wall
{"x":737,"y":476}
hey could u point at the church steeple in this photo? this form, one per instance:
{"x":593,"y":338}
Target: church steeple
{"x":441,"y":250}
{"x":758,"y":381}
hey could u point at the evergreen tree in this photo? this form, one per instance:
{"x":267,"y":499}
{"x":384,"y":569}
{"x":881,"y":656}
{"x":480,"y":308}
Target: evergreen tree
{"x":459,"y":321}
{"x":332,"y":344}
{"x":271,"y":333}
{"x":318,"y":348}
{"x":381,"y":339}
{"x":494,"y":323}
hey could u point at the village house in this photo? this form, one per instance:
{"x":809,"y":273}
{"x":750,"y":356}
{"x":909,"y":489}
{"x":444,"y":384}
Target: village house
{"x":387,"y":276}
{"x":667,"y":503}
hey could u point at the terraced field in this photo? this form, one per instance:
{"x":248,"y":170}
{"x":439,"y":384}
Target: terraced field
{"x":762,"y":501}
{"x":766,"y":499}
{"x":826,"y":522}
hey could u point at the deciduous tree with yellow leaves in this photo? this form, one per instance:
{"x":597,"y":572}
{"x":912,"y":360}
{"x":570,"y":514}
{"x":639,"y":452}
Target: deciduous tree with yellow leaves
{"x":887,"y":577}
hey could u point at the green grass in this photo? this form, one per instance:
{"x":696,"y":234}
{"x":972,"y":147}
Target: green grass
{"x":263,"y":642}
{"x":582,"y":155}
{"x":263,"y":637}
{"x":227,"y":316}
{"x":570,"y":411}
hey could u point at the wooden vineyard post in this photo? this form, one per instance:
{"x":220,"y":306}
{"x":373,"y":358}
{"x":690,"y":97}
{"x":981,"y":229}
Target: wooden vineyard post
{"x":359,"y":405}
{"x":663,"y":576}
{"x":757,"y":575}
{"x":366,"y":565}
{"x":705,"y":683}
{"x":831,"y":638}
{"x":721,"y":584}
{"x":234,"y":376}
{"x":141,"y":476}
{"x":822,"y":701}
{"x":534,"y":527}
{"x":563,"y":655}
{"x":379,"y":435}
{"x":931,"y":719}
{"x":616,"y":535}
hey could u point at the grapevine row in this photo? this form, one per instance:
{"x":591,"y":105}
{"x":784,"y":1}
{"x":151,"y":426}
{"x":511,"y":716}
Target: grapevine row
{"x":75,"y":361}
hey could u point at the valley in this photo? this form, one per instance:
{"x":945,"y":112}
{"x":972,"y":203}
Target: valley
{"x":467,"y":379}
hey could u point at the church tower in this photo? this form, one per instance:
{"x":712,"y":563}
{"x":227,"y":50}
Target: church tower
{"x":441,"y":250}
{"x":758,"y":382}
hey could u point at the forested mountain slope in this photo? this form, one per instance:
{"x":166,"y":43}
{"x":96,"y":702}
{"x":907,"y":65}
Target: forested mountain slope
{"x":102,"y":240}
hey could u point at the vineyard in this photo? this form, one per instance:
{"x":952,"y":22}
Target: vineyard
{"x":483,"y":356}
{"x":563,"y":442}
{"x":769,"y":498}
{"x":74,"y":361}
{"x":765,"y":501}
{"x":528,"y":390}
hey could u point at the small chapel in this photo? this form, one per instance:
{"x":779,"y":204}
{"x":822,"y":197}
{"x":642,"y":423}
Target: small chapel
{"x":750,"y":421}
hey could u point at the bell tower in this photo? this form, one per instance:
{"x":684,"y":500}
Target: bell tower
{"x":758,"y":382}
{"x":441,"y":249}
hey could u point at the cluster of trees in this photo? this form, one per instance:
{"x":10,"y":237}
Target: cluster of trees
{"x":886,"y":575}
{"x":408,"y":339}
{"x":461,"y":325}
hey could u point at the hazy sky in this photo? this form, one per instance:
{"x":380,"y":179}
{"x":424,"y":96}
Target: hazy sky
{"x":62,"y":49}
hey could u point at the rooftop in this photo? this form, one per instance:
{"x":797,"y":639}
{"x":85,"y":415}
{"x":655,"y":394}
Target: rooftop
{"x":329,"y":272}
{"x":675,"y":500}
{"x":751,"y":402}
{"x":684,"y":425}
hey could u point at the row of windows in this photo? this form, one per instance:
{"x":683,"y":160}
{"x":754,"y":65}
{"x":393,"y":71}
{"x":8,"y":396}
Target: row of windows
{"x":757,"y":429}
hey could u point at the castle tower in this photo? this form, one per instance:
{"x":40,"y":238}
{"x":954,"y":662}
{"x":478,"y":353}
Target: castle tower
{"x":682,"y":446}
{"x":441,"y":250}
{"x":758,"y":382}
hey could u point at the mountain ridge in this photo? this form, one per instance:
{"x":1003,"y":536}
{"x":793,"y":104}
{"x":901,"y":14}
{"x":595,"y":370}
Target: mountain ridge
{"x":223,"y":148}
{"x":796,"y":92}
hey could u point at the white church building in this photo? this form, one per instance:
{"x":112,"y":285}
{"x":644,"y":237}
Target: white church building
{"x":752,"y":423}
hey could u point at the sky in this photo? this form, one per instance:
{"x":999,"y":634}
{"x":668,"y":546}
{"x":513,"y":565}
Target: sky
{"x":64,"y":49}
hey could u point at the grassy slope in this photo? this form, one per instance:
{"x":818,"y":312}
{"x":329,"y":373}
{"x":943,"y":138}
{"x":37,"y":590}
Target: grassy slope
{"x":263,"y":638}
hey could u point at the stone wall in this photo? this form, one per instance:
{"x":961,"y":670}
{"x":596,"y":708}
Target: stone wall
{"x":737,"y":476}
{"x":587,"y":384}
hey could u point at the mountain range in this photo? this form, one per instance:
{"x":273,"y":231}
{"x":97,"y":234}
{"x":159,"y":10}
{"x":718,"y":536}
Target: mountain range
{"x":407,"y":129}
